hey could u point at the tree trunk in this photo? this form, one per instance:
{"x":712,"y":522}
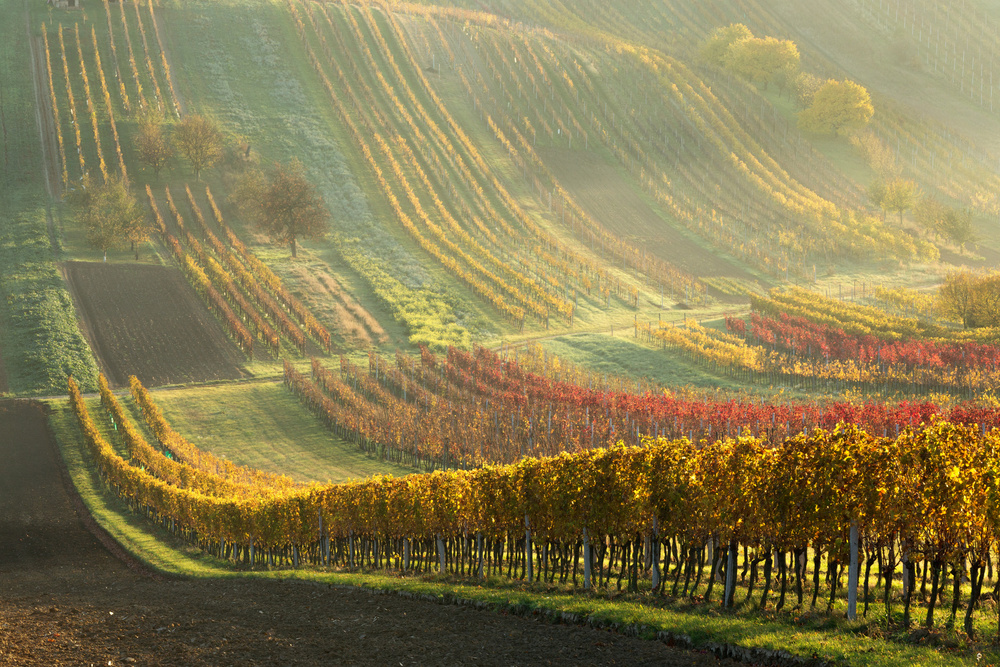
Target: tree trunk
{"x":956,"y":591}
{"x":868,"y":569}
{"x":294,"y":247}
{"x":783,"y":575}
{"x":767,"y":578}
{"x":910,"y":572}
{"x":716,"y":561}
{"x":701,"y":566}
{"x":976,"y":579}
{"x":817,"y":557}
{"x":935,"y":582}
{"x":800,"y":569}
{"x":889,"y":571}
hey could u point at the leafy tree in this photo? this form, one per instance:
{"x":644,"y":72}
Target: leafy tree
{"x":956,"y":225}
{"x":112,"y":216}
{"x":929,"y":212}
{"x":952,"y":223}
{"x":986,"y":201}
{"x":836,"y":106}
{"x":900,"y":195}
{"x":806,"y":86}
{"x":283,"y":203}
{"x":876,"y":192}
{"x":763,"y":60}
{"x":714,"y":48}
{"x":199,"y":140}
{"x":956,"y":297}
{"x":154,"y":149}
{"x":879,"y":156}
{"x":972,"y":298}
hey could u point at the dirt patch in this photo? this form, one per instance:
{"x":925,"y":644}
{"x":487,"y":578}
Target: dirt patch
{"x":324,"y":296}
{"x":67,"y":601}
{"x":147,"y":321}
{"x":605,"y":194}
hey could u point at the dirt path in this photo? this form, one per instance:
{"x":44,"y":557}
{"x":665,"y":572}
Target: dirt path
{"x":65,"y":600}
{"x":44,"y":118}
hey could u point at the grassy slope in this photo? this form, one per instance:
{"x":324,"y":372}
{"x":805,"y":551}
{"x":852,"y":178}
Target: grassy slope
{"x":264,"y":426}
{"x":39,"y":337}
{"x":242,"y":63}
{"x":624,"y":357}
{"x":251,"y":95}
{"x":194,"y":410}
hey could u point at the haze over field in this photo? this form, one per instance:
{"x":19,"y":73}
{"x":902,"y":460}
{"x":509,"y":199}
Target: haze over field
{"x":532,"y":303}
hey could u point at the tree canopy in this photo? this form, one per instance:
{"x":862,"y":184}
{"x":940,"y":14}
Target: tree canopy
{"x":763,"y":60}
{"x":876,"y":192}
{"x":199,"y":140}
{"x":900,"y":196}
{"x":956,"y":226}
{"x":929,"y":212}
{"x":112,"y":216}
{"x":836,"y":106}
{"x":714,"y":48}
{"x":154,"y":149}
{"x":283,"y":203}
{"x":972,"y":298}
{"x":877,"y":153}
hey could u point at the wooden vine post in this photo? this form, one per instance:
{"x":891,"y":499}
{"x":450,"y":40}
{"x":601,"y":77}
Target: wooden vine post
{"x":527,"y":550}
{"x":479,"y":555}
{"x":852,"y":575}
{"x":586,"y":560}
{"x":654,"y":551}
{"x":442,"y":567}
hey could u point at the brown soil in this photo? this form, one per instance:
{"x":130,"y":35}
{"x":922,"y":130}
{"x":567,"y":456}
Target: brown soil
{"x":146,"y":321}
{"x":605,"y":194}
{"x":65,"y":600}
{"x":331,"y":303}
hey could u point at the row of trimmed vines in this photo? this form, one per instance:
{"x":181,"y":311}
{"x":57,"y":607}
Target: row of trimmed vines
{"x":923,"y":503}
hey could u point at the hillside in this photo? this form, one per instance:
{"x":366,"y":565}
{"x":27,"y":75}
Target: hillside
{"x":654,"y":284}
{"x":523,"y":168}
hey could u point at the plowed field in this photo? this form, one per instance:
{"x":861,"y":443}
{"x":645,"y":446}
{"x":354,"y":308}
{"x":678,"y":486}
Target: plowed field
{"x":65,"y":600}
{"x":146,"y":321}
